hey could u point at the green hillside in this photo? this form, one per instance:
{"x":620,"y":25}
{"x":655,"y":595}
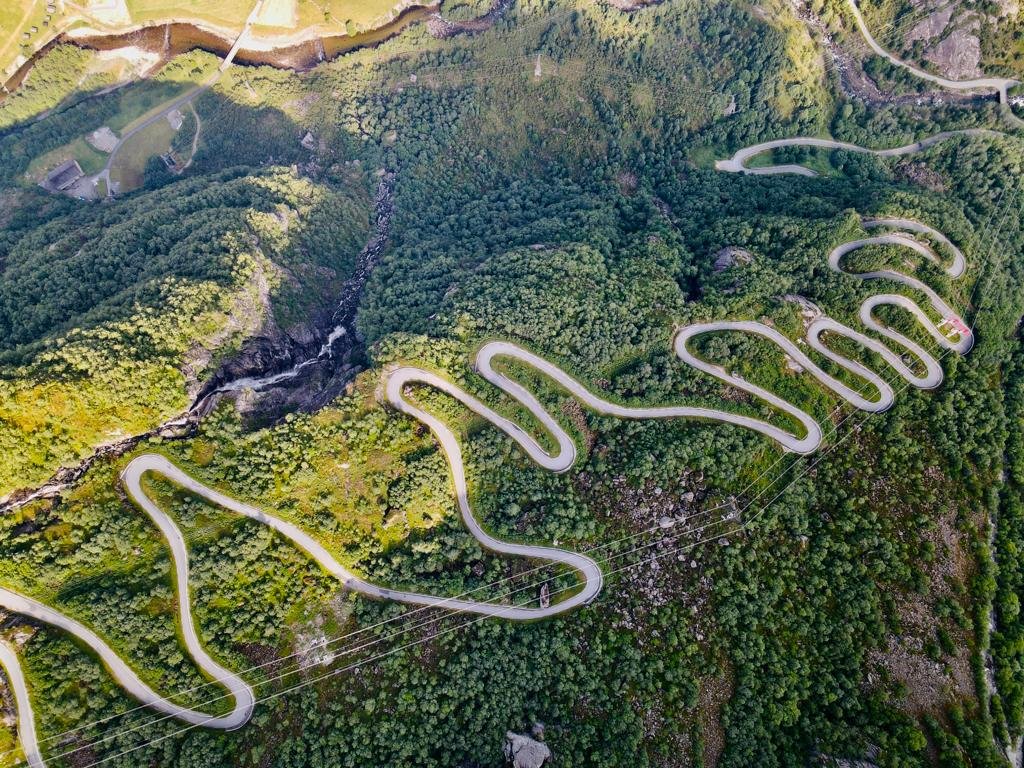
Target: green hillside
{"x":544,"y":176}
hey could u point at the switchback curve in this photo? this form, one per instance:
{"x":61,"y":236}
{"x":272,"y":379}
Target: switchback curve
{"x":738,"y":162}
{"x":397,"y":383}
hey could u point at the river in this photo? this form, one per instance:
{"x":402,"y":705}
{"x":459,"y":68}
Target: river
{"x":172,"y":39}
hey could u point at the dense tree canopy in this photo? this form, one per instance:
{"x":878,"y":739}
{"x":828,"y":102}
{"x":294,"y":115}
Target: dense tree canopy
{"x":553,"y":185}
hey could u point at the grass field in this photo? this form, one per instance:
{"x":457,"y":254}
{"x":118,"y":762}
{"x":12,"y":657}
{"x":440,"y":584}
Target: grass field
{"x":329,"y":16}
{"x":91,"y":160}
{"x":280,"y":16}
{"x":135,"y":104}
{"x":230,"y":14}
{"x":130,"y":164}
{"x":344,"y":16}
{"x":819,"y":161}
{"x":17,"y":17}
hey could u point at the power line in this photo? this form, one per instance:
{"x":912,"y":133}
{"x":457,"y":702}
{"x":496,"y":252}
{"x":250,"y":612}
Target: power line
{"x":743,"y":526}
{"x":704,"y":512}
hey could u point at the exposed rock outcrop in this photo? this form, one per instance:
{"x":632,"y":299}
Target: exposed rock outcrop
{"x":958,"y":55}
{"x":731,"y":256}
{"x":282,"y":372}
{"x":523,"y":752}
{"x":854,"y":82}
{"x":441,"y":28}
{"x":632,"y":5}
{"x":932,"y":25}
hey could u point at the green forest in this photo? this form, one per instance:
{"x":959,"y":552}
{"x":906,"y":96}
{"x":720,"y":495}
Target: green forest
{"x":554,"y":185}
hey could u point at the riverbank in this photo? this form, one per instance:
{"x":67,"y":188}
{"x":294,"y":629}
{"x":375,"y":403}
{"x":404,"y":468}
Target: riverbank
{"x":299,"y":50}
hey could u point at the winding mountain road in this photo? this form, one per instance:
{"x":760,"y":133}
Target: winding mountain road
{"x":26,"y":716}
{"x":398,"y":384}
{"x":998,"y":84}
{"x":738,"y":162}
{"x":131,"y":477}
{"x":1001,"y":85}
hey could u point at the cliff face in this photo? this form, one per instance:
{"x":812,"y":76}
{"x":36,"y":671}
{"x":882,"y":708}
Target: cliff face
{"x":233,"y":346}
{"x":307,"y":366}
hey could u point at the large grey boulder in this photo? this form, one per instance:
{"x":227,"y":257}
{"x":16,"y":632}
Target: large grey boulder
{"x":524,"y":752}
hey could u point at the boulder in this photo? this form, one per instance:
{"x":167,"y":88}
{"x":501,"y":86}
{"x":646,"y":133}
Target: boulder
{"x":524,"y":752}
{"x":730,"y":256}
